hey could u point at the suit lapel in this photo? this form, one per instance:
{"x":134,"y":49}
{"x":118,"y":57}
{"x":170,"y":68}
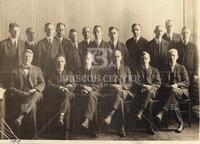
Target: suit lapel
{"x":149,"y":73}
{"x":31,"y":74}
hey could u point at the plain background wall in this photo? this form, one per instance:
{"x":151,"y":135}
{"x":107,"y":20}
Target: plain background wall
{"x":79,"y":13}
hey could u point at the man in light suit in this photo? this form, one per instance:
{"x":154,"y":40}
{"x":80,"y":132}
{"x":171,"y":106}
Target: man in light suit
{"x":27,"y":85}
{"x":47,"y":49}
{"x":60,"y":35}
{"x":115,"y":44}
{"x":10,"y":53}
{"x":158,"y":48}
{"x":170,"y":36}
{"x":146,"y":89}
{"x":175,"y":83}
{"x":30,"y":43}
{"x":136,"y":45}
{"x":86,"y":43}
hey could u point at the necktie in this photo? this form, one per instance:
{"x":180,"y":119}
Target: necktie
{"x":15,"y":44}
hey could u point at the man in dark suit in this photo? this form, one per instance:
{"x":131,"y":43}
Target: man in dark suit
{"x":30,"y":43}
{"x":60,"y":92}
{"x":73,"y":55}
{"x":146,"y":89}
{"x":86,"y":43}
{"x":175,"y":83}
{"x":115,"y":44}
{"x":99,"y":48}
{"x":27,"y":85}
{"x":60,"y":35}
{"x":118,"y":81}
{"x":158,"y":48}
{"x":136,"y":45}
{"x":10,"y":53}
{"x":170,"y":36}
{"x":88,"y":86}
{"x":188,"y":53}
{"x":47,"y":49}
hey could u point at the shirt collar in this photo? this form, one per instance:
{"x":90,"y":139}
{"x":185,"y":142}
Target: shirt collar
{"x":13,"y":40}
{"x":59,"y":38}
{"x":31,"y":42}
{"x":136,"y":38}
{"x":87,"y":41}
{"x":49,"y":39}
{"x":158,"y":41}
{"x":184,"y":41}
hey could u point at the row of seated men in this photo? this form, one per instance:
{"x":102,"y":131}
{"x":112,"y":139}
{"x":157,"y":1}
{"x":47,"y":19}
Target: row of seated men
{"x":75,"y":54}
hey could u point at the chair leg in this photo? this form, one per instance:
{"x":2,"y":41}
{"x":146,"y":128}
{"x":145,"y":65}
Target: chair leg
{"x":189,"y":114}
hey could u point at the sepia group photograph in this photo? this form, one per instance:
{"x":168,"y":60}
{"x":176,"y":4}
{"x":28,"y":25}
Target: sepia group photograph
{"x":99,"y":71}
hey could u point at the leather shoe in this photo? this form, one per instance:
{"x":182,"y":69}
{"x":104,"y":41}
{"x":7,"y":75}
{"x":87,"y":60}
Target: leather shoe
{"x":150,"y":130}
{"x":180,"y":128}
{"x":159,"y":117}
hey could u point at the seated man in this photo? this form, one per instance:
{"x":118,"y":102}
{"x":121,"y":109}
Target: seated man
{"x":175,"y":83}
{"x":27,"y":85}
{"x":118,"y":82}
{"x":146,"y":88}
{"x":60,"y":91}
{"x":87,"y":86}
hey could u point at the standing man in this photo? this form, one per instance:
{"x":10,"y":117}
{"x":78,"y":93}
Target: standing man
{"x":47,"y":49}
{"x":11,"y":50}
{"x":60,"y":35}
{"x":27,"y":85}
{"x":115,"y":44}
{"x":146,"y":89}
{"x":136,"y":45}
{"x":86,"y":43}
{"x":188,"y":53}
{"x":30,"y":43}
{"x":158,"y":48}
{"x":101,"y":47}
{"x":73,"y":55}
{"x":170,"y":36}
{"x":175,"y":83}
{"x":60,"y":92}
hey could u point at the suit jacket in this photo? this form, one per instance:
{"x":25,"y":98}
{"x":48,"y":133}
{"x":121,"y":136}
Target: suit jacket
{"x":135,"y":50}
{"x":35,"y":79}
{"x":98,"y":59}
{"x":89,"y":78}
{"x":175,"y":38}
{"x":47,"y":52}
{"x":152,"y":78}
{"x":180,"y":77}
{"x":34,"y":49}
{"x":123,"y":76}
{"x":123,"y":49}
{"x":188,"y":56}
{"x":159,"y":54}
{"x":10,"y":58}
{"x":55,"y":80}
{"x":73,"y":58}
{"x":65,"y":44}
{"x":84,"y":48}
